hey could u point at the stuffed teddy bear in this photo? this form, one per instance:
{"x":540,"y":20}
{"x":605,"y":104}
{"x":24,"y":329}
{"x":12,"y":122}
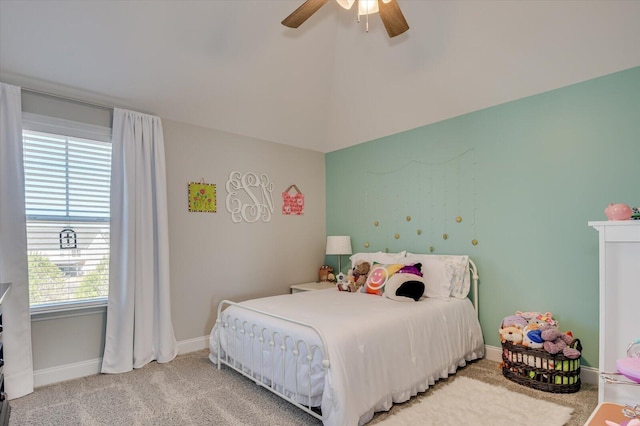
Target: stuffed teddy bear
{"x":511,"y":334}
{"x":360,"y":272}
{"x":556,"y":341}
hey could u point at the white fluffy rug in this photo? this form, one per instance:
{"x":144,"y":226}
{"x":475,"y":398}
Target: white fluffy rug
{"x":471,"y":402}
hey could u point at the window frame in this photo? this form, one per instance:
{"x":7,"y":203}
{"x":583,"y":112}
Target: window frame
{"x":66,"y":128}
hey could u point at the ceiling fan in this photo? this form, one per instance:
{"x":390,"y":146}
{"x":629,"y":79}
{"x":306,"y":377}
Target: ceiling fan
{"x":389,"y":11}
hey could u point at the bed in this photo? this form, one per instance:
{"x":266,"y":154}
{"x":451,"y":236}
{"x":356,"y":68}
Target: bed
{"x":343,"y":356}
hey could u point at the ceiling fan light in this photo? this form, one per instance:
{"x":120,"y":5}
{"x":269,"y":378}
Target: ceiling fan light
{"x":386,"y":1}
{"x":367,"y":7}
{"x":347,"y":3}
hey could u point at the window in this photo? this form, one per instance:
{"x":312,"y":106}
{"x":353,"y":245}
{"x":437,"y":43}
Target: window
{"x":67,"y":188}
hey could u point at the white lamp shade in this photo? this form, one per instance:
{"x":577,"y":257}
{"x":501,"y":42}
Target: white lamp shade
{"x":338,"y":245}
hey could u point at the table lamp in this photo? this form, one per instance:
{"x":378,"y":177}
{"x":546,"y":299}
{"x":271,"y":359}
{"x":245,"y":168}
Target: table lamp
{"x":338,"y":245}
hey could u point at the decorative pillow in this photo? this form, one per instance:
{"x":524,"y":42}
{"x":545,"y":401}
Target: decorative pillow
{"x":378,"y":277}
{"x":404,"y":287}
{"x":415,"y":269}
{"x":378,"y":257}
{"x":445,"y":275}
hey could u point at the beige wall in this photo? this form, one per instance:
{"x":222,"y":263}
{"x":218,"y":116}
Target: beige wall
{"x":213,"y":258}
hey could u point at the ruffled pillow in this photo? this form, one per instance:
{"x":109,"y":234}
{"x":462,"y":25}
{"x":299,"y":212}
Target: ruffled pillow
{"x":445,"y":275}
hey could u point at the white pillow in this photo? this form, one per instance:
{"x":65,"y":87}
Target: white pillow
{"x":378,"y":257}
{"x":445,"y":275}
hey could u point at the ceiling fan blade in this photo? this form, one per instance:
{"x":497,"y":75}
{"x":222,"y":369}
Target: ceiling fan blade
{"x":303,"y":13}
{"x":392,"y":18}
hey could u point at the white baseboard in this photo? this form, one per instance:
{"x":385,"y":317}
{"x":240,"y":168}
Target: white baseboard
{"x":76,"y":370}
{"x":588,"y":375}
{"x":47,"y":376}
{"x":192,"y":345}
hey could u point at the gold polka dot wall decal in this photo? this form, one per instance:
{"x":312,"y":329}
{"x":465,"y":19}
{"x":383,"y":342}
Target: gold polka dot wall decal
{"x":445,"y":236}
{"x":396,"y":236}
{"x":376,"y":223}
{"x":419,"y":231}
{"x":366,"y":245}
{"x":474,"y":242}
{"x":431,"y":249}
{"x":408,"y":218}
{"x":459,"y":219}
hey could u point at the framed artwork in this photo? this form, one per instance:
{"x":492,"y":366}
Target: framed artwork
{"x":202,"y":197}
{"x":292,"y":203}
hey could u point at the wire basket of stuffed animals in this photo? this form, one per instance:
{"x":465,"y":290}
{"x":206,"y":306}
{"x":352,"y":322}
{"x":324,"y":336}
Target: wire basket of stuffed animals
{"x":537,"y":355}
{"x":538,"y":369}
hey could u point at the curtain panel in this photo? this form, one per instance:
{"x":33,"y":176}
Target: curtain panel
{"x":139,"y":327}
{"x":16,"y":317}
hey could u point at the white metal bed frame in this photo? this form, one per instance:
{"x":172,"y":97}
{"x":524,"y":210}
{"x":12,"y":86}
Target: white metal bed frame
{"x":281,"y":342}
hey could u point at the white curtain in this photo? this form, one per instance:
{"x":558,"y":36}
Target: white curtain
{"x":16,"y":318}
{"x":139,"y":327}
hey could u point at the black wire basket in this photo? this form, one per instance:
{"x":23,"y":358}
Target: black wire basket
{"x":538,"y":369}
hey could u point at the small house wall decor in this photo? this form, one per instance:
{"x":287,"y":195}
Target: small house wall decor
{"x":202,"y":197}
{"x":292,"y":204}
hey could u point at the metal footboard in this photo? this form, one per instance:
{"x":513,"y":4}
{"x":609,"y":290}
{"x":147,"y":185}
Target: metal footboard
{"x":277,"y":346}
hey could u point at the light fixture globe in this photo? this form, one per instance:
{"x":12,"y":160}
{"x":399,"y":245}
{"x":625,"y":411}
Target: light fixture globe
{"x":346,"y":3}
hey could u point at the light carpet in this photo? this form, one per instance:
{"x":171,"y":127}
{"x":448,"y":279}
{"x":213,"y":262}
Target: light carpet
{"x":465,"y":401}
{"x":191,"y":391}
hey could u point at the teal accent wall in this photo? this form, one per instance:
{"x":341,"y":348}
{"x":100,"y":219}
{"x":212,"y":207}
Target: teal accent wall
{"x":525,"y":177}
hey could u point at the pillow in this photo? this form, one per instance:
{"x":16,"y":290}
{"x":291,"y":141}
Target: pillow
{"x":414,"y":268}
{"x":445,"y":275}
{"x":404,"y":287}
{"x":378,"y":257}
{"x":378,"y":276}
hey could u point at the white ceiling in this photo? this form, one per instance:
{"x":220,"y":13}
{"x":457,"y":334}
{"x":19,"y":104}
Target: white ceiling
{"x":230,"y":65}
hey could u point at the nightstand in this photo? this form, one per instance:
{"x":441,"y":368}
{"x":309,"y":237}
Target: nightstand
{"x":323,"y":285}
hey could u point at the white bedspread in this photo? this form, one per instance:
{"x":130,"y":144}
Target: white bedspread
{"x":380,"y":351}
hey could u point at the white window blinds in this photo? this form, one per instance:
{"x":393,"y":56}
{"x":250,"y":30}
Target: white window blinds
{"x":67,"y":206}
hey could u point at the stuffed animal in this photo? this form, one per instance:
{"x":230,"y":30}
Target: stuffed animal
{"x":538,"y":317}
{"x":347,"y":282}
{"x":323,"y":273}
{"x":511,"y":334}
{"x":360,"y":273}
{"x":527,"y":315}
{"x":556,"y":341}
{"x":544,"y":319}
{"x":514,"y":321}
{"x":532,"y":336}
